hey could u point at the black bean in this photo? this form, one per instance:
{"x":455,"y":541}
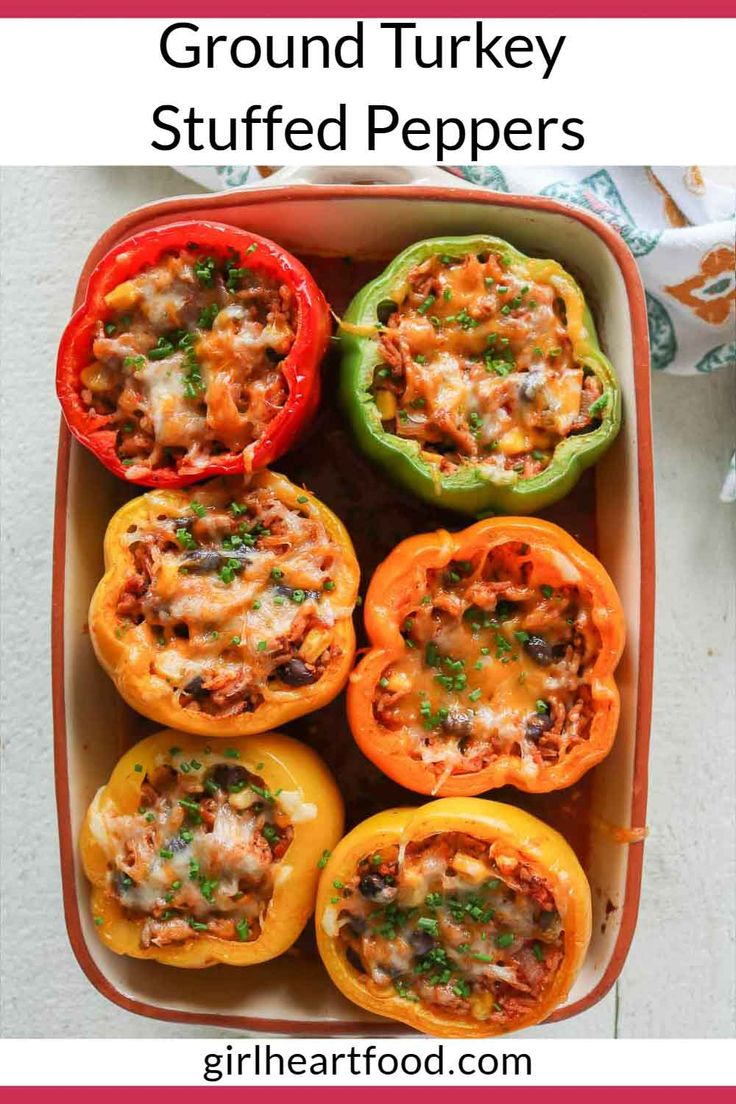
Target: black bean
{"x":229,"y":774}
{"x":202,"y":561}
{"x":457,"y":724}
{"x":295,"y":672}
{"x":504,"y":610}
{"x":242,"y":555}
{"x":547,"y":918}
{"x":537,"y":725}
{"x":529,"y":385}
{"x":421,"y":942}
{"x":559,"y":651}
{"x":539,"y":650}
{"x":354,"y":960}
{"x":273,"y":355}
{"x":122,"y":882}
{"x":376,"y":888}
{"x":385,"y":309}
{"x":287,"y":591}
{"x":195,"y":687}
{"x":176,"y":843}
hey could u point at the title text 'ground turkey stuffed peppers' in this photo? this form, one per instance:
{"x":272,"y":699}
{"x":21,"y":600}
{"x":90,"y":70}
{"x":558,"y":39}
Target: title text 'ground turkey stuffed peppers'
{"x":200,"y":854}
{"x":195,"y":353}
{"x":473,"y":375}
{"x":462,"y":918}
{"x":226,"y":610}
{"x":492,"y":660}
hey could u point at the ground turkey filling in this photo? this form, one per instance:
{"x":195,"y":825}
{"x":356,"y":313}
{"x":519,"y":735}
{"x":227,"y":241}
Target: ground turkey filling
{"x":200,"y":854}
{"x":476,"y":364}
{"x":187,"y":361}
{"x":497,"y":662}
{"x":460,"y":926}
{"x":233,"y":599}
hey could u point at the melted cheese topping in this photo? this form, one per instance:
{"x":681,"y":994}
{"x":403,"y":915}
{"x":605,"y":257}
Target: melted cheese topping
{"x":498,"y":659}
{"x":233,"y":599}
{"x":187,"y":363}
{"x":202,"y":854}
{"x":479,"y":368}
{"x":454,"y":923}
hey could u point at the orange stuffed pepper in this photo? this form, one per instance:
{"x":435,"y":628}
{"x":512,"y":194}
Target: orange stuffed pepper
{"x":200,"y":854}
{"x":492,"y":660}
{"x":226,"y":610}
{"x":463,"y":918}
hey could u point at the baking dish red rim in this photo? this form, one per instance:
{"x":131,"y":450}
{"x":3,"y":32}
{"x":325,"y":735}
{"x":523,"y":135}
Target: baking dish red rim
{"x":168,"y":209}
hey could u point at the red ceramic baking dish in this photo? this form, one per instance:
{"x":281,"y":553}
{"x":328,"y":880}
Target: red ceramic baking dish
{"x":345,"y":232}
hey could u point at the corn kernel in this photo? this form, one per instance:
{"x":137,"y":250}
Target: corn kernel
{"x":473,"y":869}
{"x":386,"y":403}
{"x":123,"y":297}
{"x":398,"y":682}
{"x":513,"y":442}
{"x":96,"y":377}
{"x":315,"y":643}
{"x":481,"y":1005}
{"x":244,"y":799}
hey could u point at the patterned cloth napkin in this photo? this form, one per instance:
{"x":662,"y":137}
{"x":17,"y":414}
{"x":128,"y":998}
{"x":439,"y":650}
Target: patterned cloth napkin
{"x":680,"y":226}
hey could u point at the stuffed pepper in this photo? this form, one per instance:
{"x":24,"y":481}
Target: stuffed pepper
{"x":227,"y":611}
{"x":196,"y":352}
{"x":473,"y":375}
{"x":462,"y":918}
{"x":492,"y":660}
{"x":200,"y":854}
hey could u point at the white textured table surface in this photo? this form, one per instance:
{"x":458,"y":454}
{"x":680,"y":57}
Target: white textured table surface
{"x":679,"y":977}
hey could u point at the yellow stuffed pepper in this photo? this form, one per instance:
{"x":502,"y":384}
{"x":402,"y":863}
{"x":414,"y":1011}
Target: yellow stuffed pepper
{"x":200,"y":854}
{"x":226,"y":609}
{"x":463,"y":918}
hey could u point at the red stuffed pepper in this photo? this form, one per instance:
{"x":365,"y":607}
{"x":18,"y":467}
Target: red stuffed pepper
{"x":195,"y":353}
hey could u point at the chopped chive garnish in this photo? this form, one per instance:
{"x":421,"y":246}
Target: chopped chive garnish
{"x":428,"y":924}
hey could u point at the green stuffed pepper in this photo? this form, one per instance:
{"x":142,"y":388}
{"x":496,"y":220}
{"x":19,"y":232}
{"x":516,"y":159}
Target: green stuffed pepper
{"x":472,"y":374}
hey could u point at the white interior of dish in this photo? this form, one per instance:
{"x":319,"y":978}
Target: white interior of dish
{"x":298,"y":990}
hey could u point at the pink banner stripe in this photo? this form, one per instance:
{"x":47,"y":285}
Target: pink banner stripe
{"x":368,"y":9}
{"x":501,"y":1094}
